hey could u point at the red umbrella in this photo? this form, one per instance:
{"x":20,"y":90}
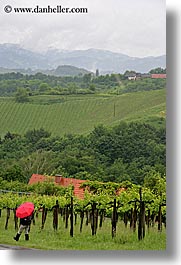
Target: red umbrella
{"x":25,"y":210}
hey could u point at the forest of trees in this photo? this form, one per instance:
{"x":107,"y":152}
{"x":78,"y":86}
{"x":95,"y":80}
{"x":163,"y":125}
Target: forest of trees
{"x":22,"y":87}
{"x":128,"y":151}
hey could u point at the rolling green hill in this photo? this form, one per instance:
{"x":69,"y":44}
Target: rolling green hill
{"x":79,"y":114}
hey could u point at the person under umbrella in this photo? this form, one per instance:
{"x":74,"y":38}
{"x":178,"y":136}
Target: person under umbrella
{"x":26,"y":213}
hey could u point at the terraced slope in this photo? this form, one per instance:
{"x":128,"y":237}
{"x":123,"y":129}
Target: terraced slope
{"x":79,"y":114}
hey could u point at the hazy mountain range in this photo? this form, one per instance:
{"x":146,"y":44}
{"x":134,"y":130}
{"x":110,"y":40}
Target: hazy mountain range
{"x":61,"y":70}
{"x":12,"y":56}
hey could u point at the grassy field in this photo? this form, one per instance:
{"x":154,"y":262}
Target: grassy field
{"x":79,"y":114}
{"x":48,"y":239}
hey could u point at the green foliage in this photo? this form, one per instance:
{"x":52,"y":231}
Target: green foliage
{"x":21,"y":95}
{"x":128,"y":148}
{"x":46,"y":193}
{"x":47,"y":188}
{"x":127,"y":73}
{"x":40,"y":161}
{"x":144,"y":85}
{"x":157,"y":185}
{"x":13,"y":147}
{"x":158,"y":70}
{"x":128,"y":151}
{"x":117,"y":171}
{"x":39,"y":83}
{"x":13,"y":172}
{"x":13,"y":185}
{"x":33,"y":136}
{"x":43,"y":87}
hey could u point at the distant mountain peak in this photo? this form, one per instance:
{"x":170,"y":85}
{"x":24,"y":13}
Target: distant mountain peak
{"x":14,"y":56}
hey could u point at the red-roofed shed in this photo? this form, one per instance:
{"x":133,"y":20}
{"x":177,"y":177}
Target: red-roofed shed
{"x":59,"y":180}
{"x":159,"y":76}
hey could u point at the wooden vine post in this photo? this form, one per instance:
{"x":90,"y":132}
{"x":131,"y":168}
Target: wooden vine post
{"x":101,"y":218}
{"x":141,"y":223}
{"x":75,"y":218}
{"x":114,"y":219}
{"x":96,"y":219}
{"x":81,"y":220}
{"x":44,"y":216}
{"x":134,"y":217}
{"x":126,"y":219}
{"x":160,"y":214}
{"x":87,"y":217}
{"x":55,"y":215}
{"x":15,"y":220}
{"x":148,"y":220}
{"x":34,"y":218}
{"x":93,"y":219}
{"x":7,"y":218}
{"x":71,"y":218}
{"x":161,"y":219}
{"x":131,"y":218}
{"x":66,"y":216}
{"x":141,"y":215}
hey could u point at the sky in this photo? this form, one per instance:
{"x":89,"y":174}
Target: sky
{"x":132,"y":27}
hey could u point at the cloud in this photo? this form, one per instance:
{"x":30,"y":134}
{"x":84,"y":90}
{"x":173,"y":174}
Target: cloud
{"x":134,"y":27}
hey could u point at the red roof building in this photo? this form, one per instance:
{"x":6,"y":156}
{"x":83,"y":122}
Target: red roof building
{"x":159,"y":76}
{"x":65,"y":182}
{"x":59,"y":180}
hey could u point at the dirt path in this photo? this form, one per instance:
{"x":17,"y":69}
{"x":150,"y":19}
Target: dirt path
{"x":9,"y":247}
